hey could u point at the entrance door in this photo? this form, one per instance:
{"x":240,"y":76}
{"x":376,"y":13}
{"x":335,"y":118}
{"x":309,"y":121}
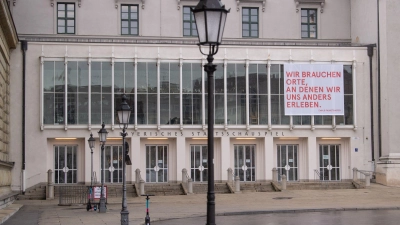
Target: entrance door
{"x":198,"y":161}
{"x":245,"y":162}
{"x":111,"y":166}
{"x":65,"y":164}
{"x":157,"y":163}
{"x":288,"y":162}
{"x":329,"y":162}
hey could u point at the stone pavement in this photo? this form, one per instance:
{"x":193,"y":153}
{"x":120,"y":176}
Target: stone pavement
{"x":182,"y":206}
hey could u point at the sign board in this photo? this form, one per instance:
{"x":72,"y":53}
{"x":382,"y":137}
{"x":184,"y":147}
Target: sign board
{"x":97,"y":192}
{"x":313,"y":89}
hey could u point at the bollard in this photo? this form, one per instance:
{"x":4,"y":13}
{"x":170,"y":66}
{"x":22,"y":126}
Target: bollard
{"x":50,"y":185}
{"x":237,"y":184}
{"x":190,"y":186}
{"x":283,"y":182}
{"x":367,"y":179}
{"x":230,"y":176}
{"x":275,"y":174}
{"x":137,"y":176}
{"x":184,"y":176}
{"x":354,"y":174}
{"x":142,"y":187}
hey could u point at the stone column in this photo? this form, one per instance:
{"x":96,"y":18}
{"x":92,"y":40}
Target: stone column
{"x":50,"y":185}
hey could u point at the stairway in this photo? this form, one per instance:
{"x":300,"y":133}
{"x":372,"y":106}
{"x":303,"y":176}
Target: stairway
{"x":36,"y":192}
{"x":163,"y":189}
{"x":256,"y":187}
{"x":319,"y":185}
{"x":219,"y":188}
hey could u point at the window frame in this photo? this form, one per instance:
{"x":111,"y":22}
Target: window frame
{"x":250,"y":22}
{"x":191,"y":21}
{"x":66,"y":18}
{"x":129,"y":20}
{"x":309,"y":24}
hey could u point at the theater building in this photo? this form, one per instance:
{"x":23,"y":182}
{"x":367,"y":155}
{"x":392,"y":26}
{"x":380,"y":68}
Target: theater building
{"x":82,"y":56}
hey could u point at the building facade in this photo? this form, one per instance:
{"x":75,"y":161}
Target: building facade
{"x":8,"y":41}
{"x":83,"y":55}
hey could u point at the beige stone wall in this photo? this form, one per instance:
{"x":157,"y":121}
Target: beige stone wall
{"x":8,"y":40}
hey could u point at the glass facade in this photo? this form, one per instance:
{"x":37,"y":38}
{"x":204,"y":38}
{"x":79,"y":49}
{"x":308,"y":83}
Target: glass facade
{"x":170,"y":93}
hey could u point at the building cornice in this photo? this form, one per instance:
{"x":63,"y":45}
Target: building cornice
{"x":185,"y":41}
{"x":7,"y":25}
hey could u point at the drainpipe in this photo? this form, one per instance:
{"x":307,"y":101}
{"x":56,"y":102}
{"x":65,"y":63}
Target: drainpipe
{"x":379,"y":86}
{"x":370,"y":54}
{"x":24,"y":48}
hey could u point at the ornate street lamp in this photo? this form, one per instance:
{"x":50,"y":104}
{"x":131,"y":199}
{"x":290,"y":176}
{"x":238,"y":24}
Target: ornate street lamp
{"x":103,"y":138}
{"x":124,"y":113}
{"x":210,"y":17}
{"x":91,"y":141}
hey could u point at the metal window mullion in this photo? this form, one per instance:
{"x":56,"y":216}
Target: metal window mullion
{"x":89,"y":93}
{"x":158,"y":88}
{"x":269,"y":94}
{"x":66,"y":94}
{"x":354,"y":93}
{"x":247,"y":93}
{"x":112,"y":91}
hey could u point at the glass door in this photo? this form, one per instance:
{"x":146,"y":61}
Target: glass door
{"x":111,"y":167}
{"x":329,"y":162}
{"x":245,"y":162}
{"x":287,"y":161}
{"x":157,"y":163}
{"x":199,"y":165}
{"x":65,"y":164}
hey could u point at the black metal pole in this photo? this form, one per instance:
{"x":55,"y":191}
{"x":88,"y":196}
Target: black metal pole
{"x":210,"y":68}
{"x":89,"y":205}
{"x":102,"y":207}
{"x":124,"y":211}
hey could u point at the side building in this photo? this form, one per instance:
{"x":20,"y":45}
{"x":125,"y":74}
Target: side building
{"x":83,"y":55}
{"x":8,"y":41}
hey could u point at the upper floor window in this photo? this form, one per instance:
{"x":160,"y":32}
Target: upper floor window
{"x":189,"y":25}
{"x":129,"y":20}
{"x":66,"y":18}
{"x":250,"y":22}
{"x":308,"y":23}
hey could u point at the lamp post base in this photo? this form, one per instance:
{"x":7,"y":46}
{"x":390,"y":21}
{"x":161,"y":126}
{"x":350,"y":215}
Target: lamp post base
{"x":102,"y":206}
{"x":124,"y":217}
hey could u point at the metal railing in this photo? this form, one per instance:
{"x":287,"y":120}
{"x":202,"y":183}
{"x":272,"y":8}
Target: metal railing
{"x":69,"y":195}
{"x":317,"y":175}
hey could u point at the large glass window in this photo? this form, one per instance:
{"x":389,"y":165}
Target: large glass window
{"x":54,"y":92}
{"x":258,"y":94}
{"x":236,"y":93}
{"x":129,"y":20}
{"x":189,"y":25}
{"x":277,"y":96}
{"x":218,"y":95}
{"x":78,"y":92}
{"x":101,"y":104}
{"x":66,"y":18}
{"x":169,"y":93}
{"x":308,"y":23}
{"x":250,"y":22}
{"x":124,"y":83}
{"x":147,"y":93}
{"x":192,"y":93}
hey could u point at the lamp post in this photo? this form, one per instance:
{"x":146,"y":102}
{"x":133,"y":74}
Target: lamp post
{"x":124,"y":113}
{"x":91,"y":146}
{"x":103,"y":138}
{"x":210,"y":17}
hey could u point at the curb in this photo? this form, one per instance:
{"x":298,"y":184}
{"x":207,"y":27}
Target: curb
{"x":281,"y":211}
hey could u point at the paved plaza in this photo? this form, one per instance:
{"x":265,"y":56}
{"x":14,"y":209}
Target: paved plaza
{"x":47,"y":212}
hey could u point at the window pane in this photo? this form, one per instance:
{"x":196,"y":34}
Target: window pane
{"x":125,"y":24}
{"x":61,"y":6}
{"x":245,"y":18}
{"x":70,"y":30}
{"x":70,"y":6}
{"x":125,"y":31}
{"x":61,"y":14}
{"x":70,"y":23}
{"x":133,"y":16}
{"x":70,"y":14}
{"x":124,"y":8}
{"x":254,"y":18}
{"x":124,"y":16}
